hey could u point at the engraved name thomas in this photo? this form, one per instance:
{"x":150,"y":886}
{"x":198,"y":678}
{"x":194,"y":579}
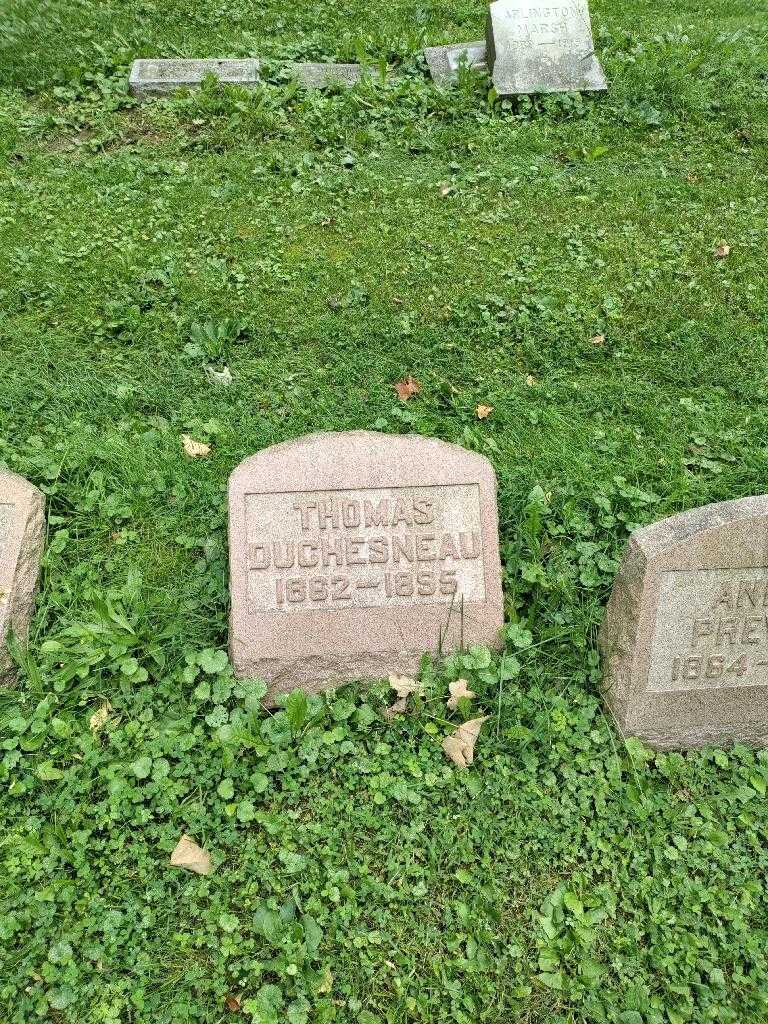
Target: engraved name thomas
{"x":404,"y":545}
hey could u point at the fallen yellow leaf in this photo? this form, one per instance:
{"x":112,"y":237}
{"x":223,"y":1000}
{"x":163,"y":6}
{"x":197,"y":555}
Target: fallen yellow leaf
{"x":722,"y":251}
{"x":195,"y":449}
{"x":187,"y":854}
{"x":98,"y":719}
{"x":458,"y":689}
{"x":483,"y":411}
{"x":460,"y":745}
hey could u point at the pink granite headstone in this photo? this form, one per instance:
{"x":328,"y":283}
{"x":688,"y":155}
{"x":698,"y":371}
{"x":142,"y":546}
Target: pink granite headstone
{"x":353,"y":554}
{"x":22,"y":529}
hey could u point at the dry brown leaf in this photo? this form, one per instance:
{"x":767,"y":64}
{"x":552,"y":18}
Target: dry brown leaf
{"x":195,"y":449}
{"x":403,"y":687}
{"x":98,"y":719}
{"x":723,"y":250}
{"x":407,"y":388}
{"x":598,"y":339}
{"x":187,"y":854}
{"x":232,"y":1003}
{"x":398,"y":708}
{"x":530,"y":380}
{"x":483,"y":411}
{"x":460,"y":745}
{"x":458,"y":690}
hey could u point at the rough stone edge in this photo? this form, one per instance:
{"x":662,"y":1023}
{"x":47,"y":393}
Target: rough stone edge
{"x":618,"y":632}
{"x":438,"y":64}
{"x":25,"y":577}
{"x":144,"y":88}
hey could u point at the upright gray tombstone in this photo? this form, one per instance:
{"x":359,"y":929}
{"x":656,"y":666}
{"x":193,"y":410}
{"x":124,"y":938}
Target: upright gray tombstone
{"x":685,"y":635}
{"x":534,"y":47}
{"x":22,"y":529}
{"x":353,"y":554}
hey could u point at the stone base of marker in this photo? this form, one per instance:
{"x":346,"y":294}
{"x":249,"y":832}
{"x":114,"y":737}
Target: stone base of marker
{"x":535,"y":49}
{"x":163,"y":77}
{"x":685,"y":636}
{"x":444,"y":61}
{"x":354,"y":554}
{"x":22,"y":533}
{"x":321,"y":76}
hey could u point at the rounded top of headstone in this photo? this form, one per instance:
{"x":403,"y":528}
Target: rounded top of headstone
{"x":345,"y":457}
{"x":13,"y":486}
{"x":721,"y":519}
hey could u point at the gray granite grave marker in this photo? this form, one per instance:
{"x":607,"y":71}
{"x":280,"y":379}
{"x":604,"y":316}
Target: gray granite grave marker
{"x":353,"y":554}
{"x":320,"y":76}
{"x":22,"y":528}
{"x":685,"y":635}
{"x":536,"y":47}
{"x":444,"y":61}
{"x":163,"y":77}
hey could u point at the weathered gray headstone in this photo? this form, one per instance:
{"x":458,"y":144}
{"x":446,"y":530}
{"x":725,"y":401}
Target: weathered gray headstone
{"x":685,"y":635}
{"x":22,"y":530}
{"x":320,"y":76}
{"x":162,"y":77}
{"x":538,"y":47}
{"x":353,"y":554}
{"x":444,"y":61}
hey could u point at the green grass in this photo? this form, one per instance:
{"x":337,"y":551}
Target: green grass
{"x":565,"y":878}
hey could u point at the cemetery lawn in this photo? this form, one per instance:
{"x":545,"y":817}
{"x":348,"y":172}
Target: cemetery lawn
{"x":556,"y":260}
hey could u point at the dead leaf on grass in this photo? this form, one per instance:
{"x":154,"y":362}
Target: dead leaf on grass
{"x":195,"y":449}
{"x":223,"y":376}
{"x":403,"y":687}
{"x":722,"y":251}
{"x":232,"y":1003}
{"x":598,"y":339}
{"x":187,"y":854}
{"x":98,"y":719}
{"x":458,"y":690}
{"x":460,"y":745}
{"x":530,"y":380}
{"x":483,"y":411}
{"x":407,"y":388}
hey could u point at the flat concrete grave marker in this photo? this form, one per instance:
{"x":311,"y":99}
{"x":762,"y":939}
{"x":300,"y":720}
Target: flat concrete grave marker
{"x":353,"y":554}
{"x":536,"y":47}
{"x":321,"y":76}
{"x":163,"y":77}
{"x":22,"y":529}
{"x":685,"y":635}
{"x":444,"y":61}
